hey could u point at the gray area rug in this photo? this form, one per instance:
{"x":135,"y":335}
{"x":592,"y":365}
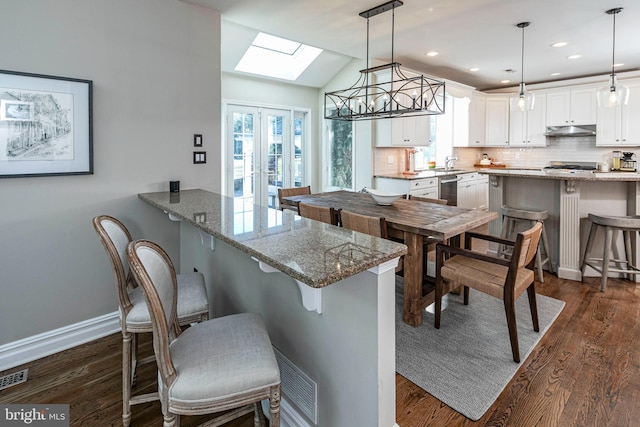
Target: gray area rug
{"x":467,"y":362}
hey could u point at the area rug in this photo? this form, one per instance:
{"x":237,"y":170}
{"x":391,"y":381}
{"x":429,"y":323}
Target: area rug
{"x":467,"y":362}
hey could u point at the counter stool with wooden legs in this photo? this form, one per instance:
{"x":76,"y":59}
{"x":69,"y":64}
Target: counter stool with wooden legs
{"x":626,"y":224}
{"x":511,"y":217}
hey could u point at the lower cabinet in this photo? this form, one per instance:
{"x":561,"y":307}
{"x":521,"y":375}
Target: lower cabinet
{"x":423,"y":187}
{"x":473,"y":191}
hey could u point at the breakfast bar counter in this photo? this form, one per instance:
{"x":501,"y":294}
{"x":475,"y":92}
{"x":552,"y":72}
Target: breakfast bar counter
{"x":327,"y":296}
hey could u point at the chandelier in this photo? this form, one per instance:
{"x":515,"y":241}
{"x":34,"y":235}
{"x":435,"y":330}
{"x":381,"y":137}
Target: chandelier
{"x":385,"y":91}
{"x":613,"y":94}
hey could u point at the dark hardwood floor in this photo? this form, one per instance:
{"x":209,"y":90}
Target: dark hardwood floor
{"x":584,"y":372}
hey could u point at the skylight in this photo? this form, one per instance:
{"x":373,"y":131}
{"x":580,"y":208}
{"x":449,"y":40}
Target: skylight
{"x":277,"y":57}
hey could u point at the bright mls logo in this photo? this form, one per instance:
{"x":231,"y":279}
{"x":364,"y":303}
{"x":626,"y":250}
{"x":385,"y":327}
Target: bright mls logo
{"x":37,"y":415}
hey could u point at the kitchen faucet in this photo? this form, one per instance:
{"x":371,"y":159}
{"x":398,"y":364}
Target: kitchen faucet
{"x":448,"y":162}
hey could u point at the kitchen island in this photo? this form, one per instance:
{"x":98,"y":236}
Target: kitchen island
{"x":327,"y":296}
{"x":568,"y":198}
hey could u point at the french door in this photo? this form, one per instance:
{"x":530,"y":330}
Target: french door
{"x":265,"y":152}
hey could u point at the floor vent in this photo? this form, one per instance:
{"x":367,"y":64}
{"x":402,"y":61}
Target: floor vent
{"x":299,"y":389}
{"x":13,"y":379}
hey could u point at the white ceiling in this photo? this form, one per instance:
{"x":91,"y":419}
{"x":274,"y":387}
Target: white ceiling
{"x":467,"y":33}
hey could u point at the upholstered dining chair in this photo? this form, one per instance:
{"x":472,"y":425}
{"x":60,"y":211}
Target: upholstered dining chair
{"x":495,"y":276}
{"x":193,"y":306}
{"x":293,"y":191}
{"x":319,"y":213}
{"x":226,"y":363}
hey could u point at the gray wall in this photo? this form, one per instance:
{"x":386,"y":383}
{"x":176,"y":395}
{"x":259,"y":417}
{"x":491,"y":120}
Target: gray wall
{"x":155,"y":66}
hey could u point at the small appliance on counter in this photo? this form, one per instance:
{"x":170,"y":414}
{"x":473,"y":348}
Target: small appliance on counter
{"x":410,"y":162}
{"x":486,"y":161}
{"x":627,"y":164}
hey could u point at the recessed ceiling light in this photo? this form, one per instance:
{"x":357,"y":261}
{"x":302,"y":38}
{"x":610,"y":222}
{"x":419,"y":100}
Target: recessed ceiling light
{"x":559,"y":44}
{"x":505,"y":81}
{"x":432,"y":53}
{"x":554,"y":74}
{"x":574,"y":56}
{"x":474,"y":69}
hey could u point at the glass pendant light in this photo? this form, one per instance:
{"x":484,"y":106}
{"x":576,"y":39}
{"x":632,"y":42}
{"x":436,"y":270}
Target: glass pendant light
{"x":524,"y":100}
{"x":613,"y":94}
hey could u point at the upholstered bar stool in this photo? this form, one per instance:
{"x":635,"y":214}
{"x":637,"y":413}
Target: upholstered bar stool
{"x":626,"y":224}
{"x":510,"y":219}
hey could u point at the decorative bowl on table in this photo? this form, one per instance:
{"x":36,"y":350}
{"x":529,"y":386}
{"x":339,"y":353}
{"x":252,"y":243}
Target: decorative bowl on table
{"x":384,"y":198}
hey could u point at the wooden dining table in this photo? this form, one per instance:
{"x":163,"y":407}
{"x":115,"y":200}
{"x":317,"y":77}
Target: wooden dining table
{"x":412,"y":222}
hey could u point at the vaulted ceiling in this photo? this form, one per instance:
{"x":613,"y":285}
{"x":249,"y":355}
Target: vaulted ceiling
{"x":466,"y":33}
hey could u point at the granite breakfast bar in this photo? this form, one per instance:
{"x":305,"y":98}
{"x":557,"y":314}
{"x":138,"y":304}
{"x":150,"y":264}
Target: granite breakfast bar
{"x":568,"y":199}
{"x":327,"y":295}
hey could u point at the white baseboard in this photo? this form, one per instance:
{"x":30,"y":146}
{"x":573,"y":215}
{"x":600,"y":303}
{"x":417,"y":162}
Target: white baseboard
{"x":289,"y":416}
{"x":32,"y":348}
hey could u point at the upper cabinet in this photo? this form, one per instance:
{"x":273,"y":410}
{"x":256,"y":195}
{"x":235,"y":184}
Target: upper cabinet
{"x":403,"y":131}
{"x":571,"y":107}
{"x":477,"y":121}
{"x":497,"y":123}
{"x":527,"y":128}
{"x":620,"y":126}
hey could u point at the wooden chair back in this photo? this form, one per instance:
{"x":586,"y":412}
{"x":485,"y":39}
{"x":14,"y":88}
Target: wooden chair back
{"x":429,"y":199}
{"x":293,"y":191}
{"x":153,"y":270}
{"x":527,"y":245}
{"x":372,"y":225}
{"x":319,"y":213}
{"x":114,"y":236}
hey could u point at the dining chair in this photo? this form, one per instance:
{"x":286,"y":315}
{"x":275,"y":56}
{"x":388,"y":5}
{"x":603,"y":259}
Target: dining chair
{"x":366,"y":224}
{"x":429,"y":199}
{"x":193,"y":306}
{"x":501,"y":278}
{"x":319,"y":213}
{"x":226,"y":363}
{"x":293,"y":191}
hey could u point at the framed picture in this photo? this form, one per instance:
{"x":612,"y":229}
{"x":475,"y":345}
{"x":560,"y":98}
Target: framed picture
{"x":45,"y":125}
{"x":197,"y":140}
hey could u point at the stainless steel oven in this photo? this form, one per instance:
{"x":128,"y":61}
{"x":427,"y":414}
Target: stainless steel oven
{"x":449,"y":189}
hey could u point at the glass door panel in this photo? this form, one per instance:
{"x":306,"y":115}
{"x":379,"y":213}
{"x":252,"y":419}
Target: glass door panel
{"x":244,"y":137}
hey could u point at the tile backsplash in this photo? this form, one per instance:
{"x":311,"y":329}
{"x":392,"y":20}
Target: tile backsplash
{"x":578,"y":149}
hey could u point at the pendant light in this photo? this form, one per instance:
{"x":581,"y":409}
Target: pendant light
{"x":524,"y":101}
{"x":613,"y":93}
{"x":385,"y":91}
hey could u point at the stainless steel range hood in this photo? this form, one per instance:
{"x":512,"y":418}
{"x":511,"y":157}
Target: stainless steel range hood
{"x":584,"y":130}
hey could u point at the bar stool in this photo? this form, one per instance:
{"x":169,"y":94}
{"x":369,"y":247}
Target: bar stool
{"x":627,"y":224}
{"x":511,"y":217}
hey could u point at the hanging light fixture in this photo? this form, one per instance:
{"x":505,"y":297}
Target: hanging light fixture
{"x":613,"y":94}
{"x":373,"y":96}
{"x":524,"y":101}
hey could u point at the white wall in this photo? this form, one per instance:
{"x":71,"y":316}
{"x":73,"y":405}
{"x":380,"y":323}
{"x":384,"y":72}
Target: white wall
{"x":155,"y":67}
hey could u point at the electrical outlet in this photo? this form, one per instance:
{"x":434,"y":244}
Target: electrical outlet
{"x":391,"y":160}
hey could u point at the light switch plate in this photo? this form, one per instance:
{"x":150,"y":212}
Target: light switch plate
{"x":199,"y":157}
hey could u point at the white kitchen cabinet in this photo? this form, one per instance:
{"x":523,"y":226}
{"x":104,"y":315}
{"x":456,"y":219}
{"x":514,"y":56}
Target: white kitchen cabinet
{"x":473,"y":191}
{"x":411,"y":131}
{"x":527,"y":128}
{"x":423,"y":187}
{"x":571,"y":107}
{"x":497,"y":121}
{"x":620,"y":126}
{"x":477,"y":120}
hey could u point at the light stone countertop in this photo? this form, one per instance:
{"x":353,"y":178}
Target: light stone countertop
{"x":312,"y":252}
{"x":531,"y":173}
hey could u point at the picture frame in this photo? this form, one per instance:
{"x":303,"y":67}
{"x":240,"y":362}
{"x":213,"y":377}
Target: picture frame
{"x":197,"y":140}
{"x":46,"y":125}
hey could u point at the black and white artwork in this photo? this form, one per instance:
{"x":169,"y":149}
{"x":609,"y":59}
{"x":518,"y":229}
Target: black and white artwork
{"x":45,"y":125}
{"x":39,"y":125}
